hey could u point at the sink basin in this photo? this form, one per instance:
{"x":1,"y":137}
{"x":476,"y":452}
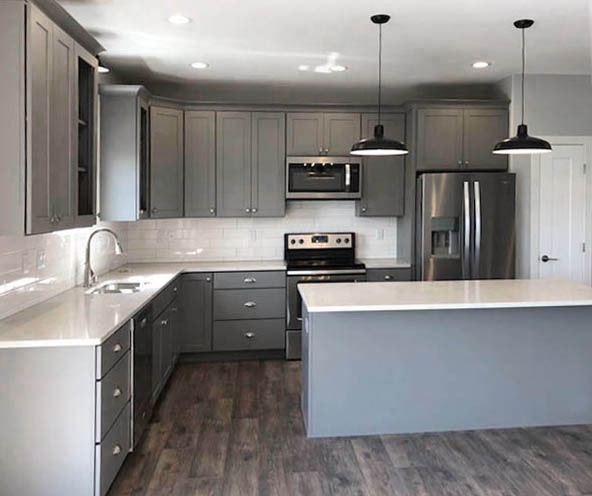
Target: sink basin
{"x":118,"y":288}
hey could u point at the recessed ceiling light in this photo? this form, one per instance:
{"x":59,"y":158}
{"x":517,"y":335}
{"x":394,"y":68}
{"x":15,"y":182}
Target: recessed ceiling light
{"x":179,"y":19}
{"x":480,"y":64}
{"x":103,"y":70}
{"x":338,"y":68}
{"x":199,"y":65}
{"x":303,"y":67}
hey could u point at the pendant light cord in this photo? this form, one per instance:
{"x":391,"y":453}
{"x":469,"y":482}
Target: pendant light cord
{"x":523,"y":64}
{"x":379,"y":69}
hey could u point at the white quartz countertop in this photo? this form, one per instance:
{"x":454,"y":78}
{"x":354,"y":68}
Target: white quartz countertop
{"x":443,"y":295}
{"x":75,"y":318}
{"x":386,"y":263}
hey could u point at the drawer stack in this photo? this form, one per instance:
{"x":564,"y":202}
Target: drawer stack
{"x":113,"y":393}
{"x":249,"y":311}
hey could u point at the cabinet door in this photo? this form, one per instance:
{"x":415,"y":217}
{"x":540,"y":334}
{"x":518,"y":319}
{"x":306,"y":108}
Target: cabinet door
{"x":268,"y":168}
{"x":200,"y":164}
{"x":483,"y":128}
{"x":195,"y":313}
{"x":305,"y":134}
{"x":341,"y":131}
{"x":166,"y":162}
{"x":439,"y":139}
{"x":383,"y":178}
{"x":233,"y":151}
{"x":40,"y":210}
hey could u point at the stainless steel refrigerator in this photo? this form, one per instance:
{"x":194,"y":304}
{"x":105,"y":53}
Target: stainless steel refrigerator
{"x":465,"y":226}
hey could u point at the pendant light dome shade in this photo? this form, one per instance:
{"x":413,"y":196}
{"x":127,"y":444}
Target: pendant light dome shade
{"x":378,"y":145}
{"x":522,"y":143}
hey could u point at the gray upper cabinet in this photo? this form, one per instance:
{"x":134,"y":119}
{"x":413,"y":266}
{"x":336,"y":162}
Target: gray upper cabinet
{"x":166,"y":162}
{"x":125,"y":152}
{"x":268,"y":177}
{"x":322,"y":133}
{"x":195,"y":313}
{"x":483,"y":128}
{"x":50,"y":168}
{"x":233,"y":151}
{"x":200,"y":164}
{"x":383,"y":178}
{"x":460,"y":137}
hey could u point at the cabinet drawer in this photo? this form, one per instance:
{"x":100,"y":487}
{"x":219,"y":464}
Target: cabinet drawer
{"x":230,"y":304}
{"x":110,"y":454}
{"x":113,"y":392}
{"x":381,"y":275}
{"x":239,"y":335}
{"x":164,"y":298}
{"x":113,"y":349}
{"x":238,"y":280}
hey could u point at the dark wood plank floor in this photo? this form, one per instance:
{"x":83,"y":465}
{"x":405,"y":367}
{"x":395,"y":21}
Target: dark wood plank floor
{"x":236,"y":429}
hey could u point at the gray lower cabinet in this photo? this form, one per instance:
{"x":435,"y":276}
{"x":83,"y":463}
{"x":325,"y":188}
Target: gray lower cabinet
{"x":383,"y":178}
{"x":317,"y":133}
{"x":195,"y":313}
{"x":200,"y":163}
{"x":166,"y":162}
{"x":382,"y":275}
{"x":249,"y":311}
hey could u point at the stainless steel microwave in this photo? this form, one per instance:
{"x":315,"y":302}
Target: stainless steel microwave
{"x":323,"y":178}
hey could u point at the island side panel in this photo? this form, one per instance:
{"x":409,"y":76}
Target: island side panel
{"x":410,"y":371}
{"x":47,"y":411}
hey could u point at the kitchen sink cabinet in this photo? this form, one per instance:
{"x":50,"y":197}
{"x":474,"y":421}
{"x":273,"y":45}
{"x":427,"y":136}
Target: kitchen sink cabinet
{"x":125,"y":152}
{"x":250,"y":164}
{"x":383,"y":178}
{"x":195,"y":313}
{"x":315,"y":133}
{"x":460,"y":137}
{"x":166,"y":162}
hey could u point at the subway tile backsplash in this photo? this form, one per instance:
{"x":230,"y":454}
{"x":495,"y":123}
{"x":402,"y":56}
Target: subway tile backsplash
{"x":256,"y":238}
{"x":35,"y":268}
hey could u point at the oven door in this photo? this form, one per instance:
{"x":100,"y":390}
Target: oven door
{"x":323,"y":178}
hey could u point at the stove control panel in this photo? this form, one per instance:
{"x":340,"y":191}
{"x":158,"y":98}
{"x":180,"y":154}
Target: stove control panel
{"x":319,"y":241}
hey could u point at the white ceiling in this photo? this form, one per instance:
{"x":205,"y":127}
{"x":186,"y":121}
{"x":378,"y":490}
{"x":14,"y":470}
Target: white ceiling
{"x":257,"y":45}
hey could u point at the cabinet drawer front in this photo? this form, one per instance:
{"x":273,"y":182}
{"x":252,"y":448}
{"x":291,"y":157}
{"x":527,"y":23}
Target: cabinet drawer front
{"x":113,"y":393}
{"x":381,"y":275}
{"x":239,"y":335}
{"x":164,"y":298}
{"x":238,"y":280}
{"x":113,"y":349}
{"x":230,"y":304}
{"x":110,"y":454}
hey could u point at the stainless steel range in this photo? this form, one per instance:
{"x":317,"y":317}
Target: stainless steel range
{"x":315,"y":257}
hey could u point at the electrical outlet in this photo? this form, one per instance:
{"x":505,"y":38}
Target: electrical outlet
{"x":41,"y":262}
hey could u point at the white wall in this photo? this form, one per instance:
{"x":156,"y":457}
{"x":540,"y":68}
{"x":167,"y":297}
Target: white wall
{"x":36,"y":268}
{"x":259,"y":238}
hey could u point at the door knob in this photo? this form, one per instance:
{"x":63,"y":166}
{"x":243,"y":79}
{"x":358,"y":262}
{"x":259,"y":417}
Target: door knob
{"x":546,"y":258}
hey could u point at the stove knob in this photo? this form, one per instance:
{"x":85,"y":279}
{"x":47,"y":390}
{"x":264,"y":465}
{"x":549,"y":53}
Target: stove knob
{"x":301,"y":241}
{"x":292,"y":241}
{"x":338,"y":241}
{"x":346,"y":240}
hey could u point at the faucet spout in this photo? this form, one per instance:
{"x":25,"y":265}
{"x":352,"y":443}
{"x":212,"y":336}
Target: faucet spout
{"x":89,"y":274}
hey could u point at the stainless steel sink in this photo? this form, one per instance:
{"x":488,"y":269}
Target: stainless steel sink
{"x":118,"y":288}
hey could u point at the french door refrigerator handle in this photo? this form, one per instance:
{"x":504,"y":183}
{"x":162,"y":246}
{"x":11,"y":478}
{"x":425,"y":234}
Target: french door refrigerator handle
{"x":466,"y":251}
{"x":477,"y":254}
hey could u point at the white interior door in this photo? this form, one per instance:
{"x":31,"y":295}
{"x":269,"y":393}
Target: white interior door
{"x":562,"y":214}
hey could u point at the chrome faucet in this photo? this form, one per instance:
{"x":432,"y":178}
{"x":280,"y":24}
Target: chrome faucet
{"x":89,"y":275}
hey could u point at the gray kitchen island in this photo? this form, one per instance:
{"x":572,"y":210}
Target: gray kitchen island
{"x":388,"y":358}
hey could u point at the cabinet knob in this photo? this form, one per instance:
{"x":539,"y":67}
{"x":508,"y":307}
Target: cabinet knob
{"x":248,"y":210}
{"x":175,"y":289}
{"x":364,"y":209}
{"x":250,"y":304}
{"x":212,"y":210}
{"x":320,"y":151}
{"x":116,"y":348}
{"x":326,"y":151}
{"x":143,"y":322}
{"x":388,"y":278}
{"x":249,"y":335}
{"x":116,"y":450}
{"x":154,"y":210}
{"x":208,"y":279}
{"x":249,"y":280}
{"x":164,"y":322}
{"x":460,"y":162}
{"x":466,"y":162}
{"x":116,"y":392}
{"x":254,"y":210}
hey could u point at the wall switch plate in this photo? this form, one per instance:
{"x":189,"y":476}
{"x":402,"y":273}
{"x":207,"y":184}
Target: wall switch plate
{"x":41,"y":261}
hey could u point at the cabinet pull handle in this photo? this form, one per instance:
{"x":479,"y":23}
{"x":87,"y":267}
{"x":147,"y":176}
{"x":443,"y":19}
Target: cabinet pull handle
{"x":117,"y":348}
{"x":250,"y":304}
{"x":164,"y":322}
{"x":116,"y":392}
{"x":116,"y":450}
{"x":249,"y":335}
{"x":250,"y":280}
{"x":143,"y":322}
{"x":174,"y":309}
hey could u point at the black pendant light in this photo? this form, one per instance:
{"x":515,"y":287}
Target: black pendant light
{"x":379,"y":145}
{"x":522,"y":143}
